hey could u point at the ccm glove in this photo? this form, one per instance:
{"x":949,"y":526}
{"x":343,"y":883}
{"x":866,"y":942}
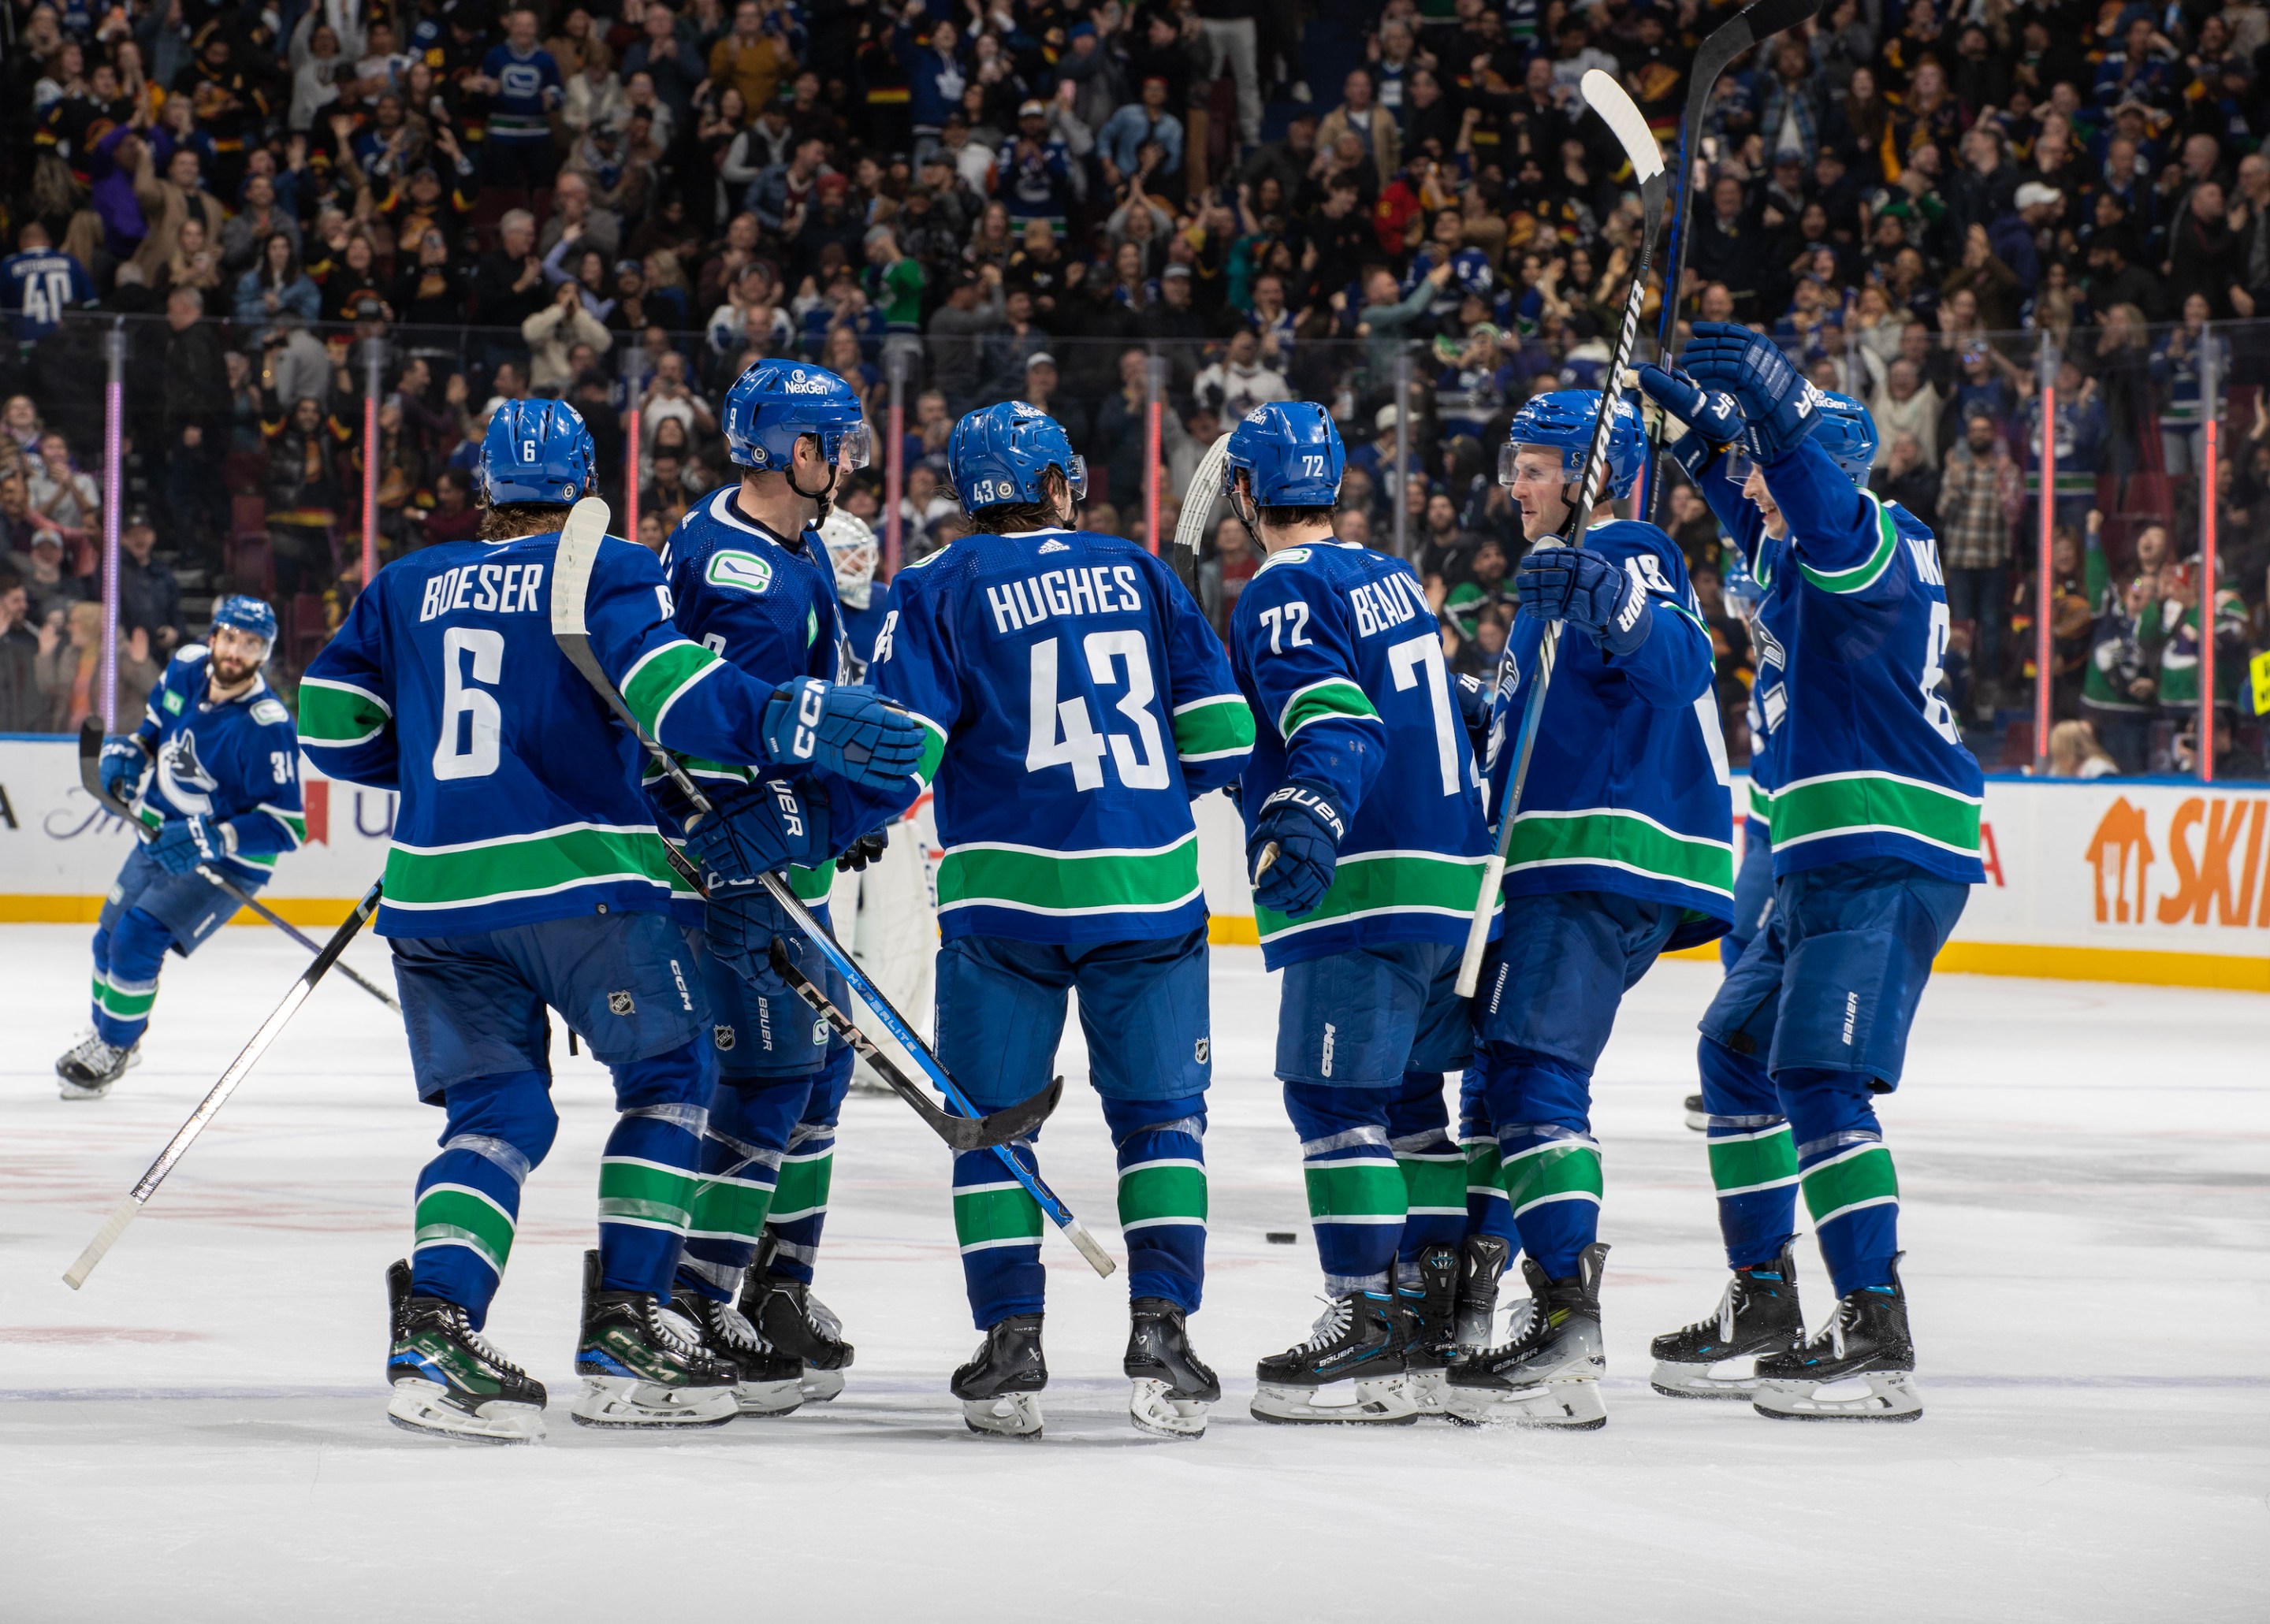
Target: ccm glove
{"x":1712,"y":419}
{"x":125,"y":762}
{"x":1587,"y":591}
{"x":1780,"y":410}
{"x":755,"y":828}
{"x":842,"y":728}
{"x":1306,"y":825}
{"x":185,"y":842}
{"x":867,"y":848}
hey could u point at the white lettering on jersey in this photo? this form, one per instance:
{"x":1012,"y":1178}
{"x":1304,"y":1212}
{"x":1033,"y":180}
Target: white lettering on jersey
{"x":1085,"y":589}
{"x":488,"y":588}
{"x":1382,"y":605}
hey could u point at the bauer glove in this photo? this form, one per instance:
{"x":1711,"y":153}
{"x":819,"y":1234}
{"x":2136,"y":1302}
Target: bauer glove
{"x":754,"y":828}
{"x":1306,"y":825}
{"x":1588,"y":591}
{"x":1780,"y":410}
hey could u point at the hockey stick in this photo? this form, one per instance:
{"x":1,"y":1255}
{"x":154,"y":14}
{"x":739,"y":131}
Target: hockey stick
{"x":1607,"y":98}
{"x":1723,"y":43}
{"x":90,"y":778}
{"x":239,"y":1068}
{"x":571,"y":579}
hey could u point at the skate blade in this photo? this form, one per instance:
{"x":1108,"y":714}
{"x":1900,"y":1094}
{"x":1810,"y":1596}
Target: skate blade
{"x":1012,"y":1415}
{"x":1380,"y":1402}
{"x":623,"y":1402}
{"x":1677,"y":1381}
{"x":1571,"y":1404}
{"x":769,"y":1398}
{"x":1151,"y":1408}
{"x":423,"y":1408}
{"x":821,"y":1386}
{"x":1430,"y":1392}
{"x":1889,"y":1395}
{"x":66,"y":1089}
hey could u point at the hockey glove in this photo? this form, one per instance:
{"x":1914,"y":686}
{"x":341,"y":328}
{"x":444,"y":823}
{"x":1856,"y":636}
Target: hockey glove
{"x":1587,"y":591}
{"x":1780,"y":410}
{"x":185,"y":842}
{"x":125,"y":761}
{"x":869,"y":848}
{"x":842,"y":729}
{"x":754,"y":828}
{"x":1475,"y":697}
{"x":1306,"y":825}
{"x":1712,"y":419}
{"x":741,"y":924}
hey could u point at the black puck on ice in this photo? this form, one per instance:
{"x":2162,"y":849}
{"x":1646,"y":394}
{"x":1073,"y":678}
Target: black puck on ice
{"x":1279,"y":1237}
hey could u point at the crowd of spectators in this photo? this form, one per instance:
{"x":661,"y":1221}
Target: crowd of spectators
{"x":1062,"y":200}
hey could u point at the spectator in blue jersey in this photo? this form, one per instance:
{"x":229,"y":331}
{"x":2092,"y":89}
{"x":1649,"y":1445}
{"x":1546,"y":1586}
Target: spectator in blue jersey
{"x":38,"y":283}
{"x":523,"y":84}
{"x":937,"y":74}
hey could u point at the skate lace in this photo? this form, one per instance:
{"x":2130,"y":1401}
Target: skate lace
{"x":822,"y":1318}
{"x":1722,"y":1320}
{"x":681,"y":1336}
{"x":739,"y":1331}
{"x":1520,"y":1327}
{"x":1331,"y":1325}
{"x":91,"y":1049}
{"x":462,"y":1329}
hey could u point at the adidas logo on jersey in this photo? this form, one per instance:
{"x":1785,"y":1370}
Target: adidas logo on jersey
{"x":1054,"y":546}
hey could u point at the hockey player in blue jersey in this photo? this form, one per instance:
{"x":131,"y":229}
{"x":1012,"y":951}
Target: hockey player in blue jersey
{"x":1621,"y":849}
{"x":753,"y":580}
{"x":1366,"y":844}
{"x":1078,"y":702}
{"x":223,"y":801}
{"x":526,"y":871}
{"x":1876,"y":811}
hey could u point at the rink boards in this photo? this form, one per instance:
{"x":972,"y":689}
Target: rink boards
{"x":2162,"y":881}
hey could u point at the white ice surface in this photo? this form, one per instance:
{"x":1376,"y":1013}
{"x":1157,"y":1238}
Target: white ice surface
{"x":198,"y":1435}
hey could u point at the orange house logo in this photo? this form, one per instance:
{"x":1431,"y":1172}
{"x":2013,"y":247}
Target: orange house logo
{"x":2215,"y":853}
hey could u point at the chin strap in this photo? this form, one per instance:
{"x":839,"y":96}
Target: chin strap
{"x":1239,"y":513}
{"x":826,"y":495}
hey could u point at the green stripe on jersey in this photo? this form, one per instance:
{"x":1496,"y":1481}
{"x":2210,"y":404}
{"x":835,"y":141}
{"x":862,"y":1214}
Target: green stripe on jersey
{"x":645,"y":1193}
{"x":1167,"y":1192}
{"x":332,"y":713}
{"x":1621,"y":839}
{"x":933,"y":748}
{"x":520,"y":865}
{"x":1557,"y":1170}
{"x":1766,"y":1160}
{"x":1869,"y":570}
{"x":1762,"y":806}
{"x":1434,"y":1184}
{"x":1357,"y":1191}
{"x":1069,"y":882}
{"x":1861,"y":1176}
{"x":1868,"y":802}
{"x":1335,"y":696}
{"x":991,"y":1215}
{"x":813,"y":884}
{"x":1219,"y":725}
{"x":459,"y":1215}
{"x":1368,"y":883}
{"x":654,"y":684}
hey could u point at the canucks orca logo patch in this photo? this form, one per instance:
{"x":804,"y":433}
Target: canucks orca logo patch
{"x":621,"y":1003}
{"x":269,"y":712}
{"x":739,"y":572}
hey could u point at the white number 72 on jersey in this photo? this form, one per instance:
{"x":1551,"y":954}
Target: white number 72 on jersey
{"x":1064,"y":733}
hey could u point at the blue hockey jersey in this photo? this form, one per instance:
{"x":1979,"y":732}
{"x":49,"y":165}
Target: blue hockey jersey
{"x":1866,"y":761}
{"x":1629,"y":789}
{"x":36,"y":288}
{"x":1341,"y":658}
{"x":520,"y":788}
{"x":235,"y":760}
{"x":1078,"y":702}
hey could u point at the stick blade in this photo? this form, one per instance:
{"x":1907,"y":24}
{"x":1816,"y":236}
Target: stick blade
{"x":1199,"y":497}
{"x":105,"y":1238}
{"x":571,"y":567}
{"x":1614,"y":105}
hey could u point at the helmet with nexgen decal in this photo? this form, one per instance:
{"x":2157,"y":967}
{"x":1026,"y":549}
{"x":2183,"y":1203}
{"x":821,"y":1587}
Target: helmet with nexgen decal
{"x":535,"y":451}
{"x":1844,"y":429}
{"x":1000,"y":455}
{"x":1563,"y":421}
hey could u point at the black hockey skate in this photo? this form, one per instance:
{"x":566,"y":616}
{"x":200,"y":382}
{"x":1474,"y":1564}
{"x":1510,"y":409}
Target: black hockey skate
{"x":1353,"y":1357}
{"x":448,"y":1381}
{"x":1482,"y":1260}
{"x":1429,"y":1315}
{"x":1173,"y":1386}
{"x":1000,"y":1386}
{"x":1866,"y":1341}
{"x":87,"y":1069}
{"x":767,"y":1381}
{"x":788,"y":1315}
{"x":642,"y":1366}
{"x":1697,"y":1117}
{"x":1759,"y":1315}
{"x":1548,"y":1375}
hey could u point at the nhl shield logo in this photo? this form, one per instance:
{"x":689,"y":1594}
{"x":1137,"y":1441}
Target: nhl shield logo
{"x":722,"y":1036}
{"x":621,"y":1003}
{"x":1204,"y":1048}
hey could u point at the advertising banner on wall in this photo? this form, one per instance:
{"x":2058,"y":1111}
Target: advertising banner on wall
{"x":2115,"y":880}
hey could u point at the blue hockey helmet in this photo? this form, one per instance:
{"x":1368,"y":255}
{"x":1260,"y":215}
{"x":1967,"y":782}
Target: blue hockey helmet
{"x":1000,"y":454}
{"x":1843,"y":428}
{"x":1564,"y":419}
{"x":775,"y":404}
{"x":1740,"y":589}
{"x":1291,"y":455}
{"x":242,"y":612}
{"x":535,"y":451}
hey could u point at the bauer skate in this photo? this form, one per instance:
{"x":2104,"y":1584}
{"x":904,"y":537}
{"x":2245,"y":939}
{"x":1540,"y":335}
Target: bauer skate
{"x":449,"y":1382}
{"x":788,"y":1315}
{"x":1173,"y":1386}
{"x":87,"y":1069}
{"x":766,"y":1381}
{"x":1349,"y":1371}
{"x":1757,"y":1318}
{"x":1866,"y":1341}
{"x":1548,"y":1375}
{"x":1000,"y":1386}
{"x":1430,"y":1316}
{"x":1482,"y":1260}
{"x":643,"y":1367}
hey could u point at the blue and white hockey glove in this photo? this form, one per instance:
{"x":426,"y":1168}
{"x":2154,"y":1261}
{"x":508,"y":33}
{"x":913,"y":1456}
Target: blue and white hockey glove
{"x":1712,"y":419}
{"x":843,"y":729}
{"x":1780,"y":410}
{"x":185,"y":842}
{"x":1588,"y":591}
{"x":125,"y":761}
{"x":757,"y":828}
{"x":1306,"y":825}
{"x":1474,"y":696}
